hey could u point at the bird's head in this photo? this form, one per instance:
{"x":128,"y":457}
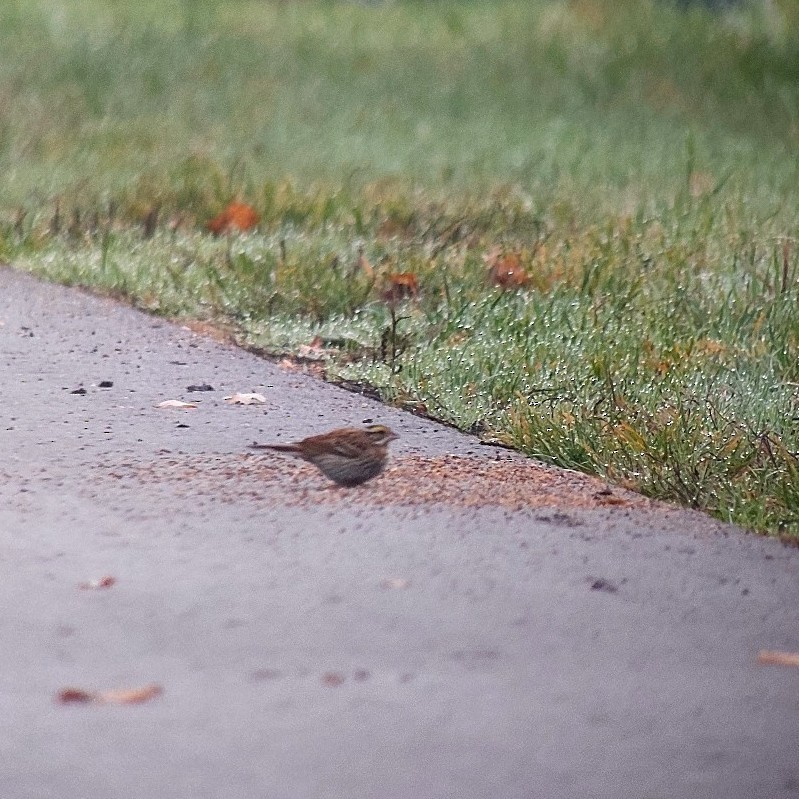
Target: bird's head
{"x":380,"y":434}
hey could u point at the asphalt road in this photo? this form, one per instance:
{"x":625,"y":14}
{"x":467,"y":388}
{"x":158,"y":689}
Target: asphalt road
{"x":313,"y":642}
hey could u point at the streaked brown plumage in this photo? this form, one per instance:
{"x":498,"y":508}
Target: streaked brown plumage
{"x":349,"y":456}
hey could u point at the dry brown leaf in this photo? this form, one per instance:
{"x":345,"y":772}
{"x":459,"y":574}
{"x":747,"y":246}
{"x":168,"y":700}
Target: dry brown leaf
{"x":505,"y":269}
{"x":399,"y":286}
{"x":175,"y":404}
{"x":131,"y":696}
{"x":69,"y":696}
{"x":237,"y":216}
{"x":769,"y":657}
{"x":246,"y":399}
{"x":128,"y":696}
{"x":103,"y":582}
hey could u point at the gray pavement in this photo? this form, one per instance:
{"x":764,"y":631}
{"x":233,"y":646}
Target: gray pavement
{"x":593,"y":653}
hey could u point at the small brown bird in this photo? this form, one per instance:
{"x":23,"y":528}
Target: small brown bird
{"x":349,"y":456}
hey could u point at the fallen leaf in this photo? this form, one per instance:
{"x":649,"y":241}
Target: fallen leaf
{"x":768,"y":657}
{"x":399,"y":286}
{"x":103,"y":582}
{"x":246,"y":399}
{"x":131,"y":696}
{"x":333,"y":678}
{"x":75,"y":695}
{"x":175,"y":404}
{"x":237,"y":216}
{"x":505,"y":269}
{"x":127,"y":696}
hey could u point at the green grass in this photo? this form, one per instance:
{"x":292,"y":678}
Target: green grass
{"x":640,"y":160}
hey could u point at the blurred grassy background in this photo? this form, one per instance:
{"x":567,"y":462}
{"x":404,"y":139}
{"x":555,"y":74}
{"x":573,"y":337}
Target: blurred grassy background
{"x":609,"y":103}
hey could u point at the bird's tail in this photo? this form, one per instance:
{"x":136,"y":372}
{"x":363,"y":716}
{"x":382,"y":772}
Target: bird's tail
{"x":277,"y":447}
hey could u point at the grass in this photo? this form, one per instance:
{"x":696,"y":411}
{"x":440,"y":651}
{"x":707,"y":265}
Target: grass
{"x":634,"y":160}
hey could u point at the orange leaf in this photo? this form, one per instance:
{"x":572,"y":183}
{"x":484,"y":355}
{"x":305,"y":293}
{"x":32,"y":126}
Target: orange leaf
{"x":242,"y":216}
{"x":767,"y":657}
{"x":237,"y":215}
{"x":400,"y":286}
{"x":505,"y":269}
